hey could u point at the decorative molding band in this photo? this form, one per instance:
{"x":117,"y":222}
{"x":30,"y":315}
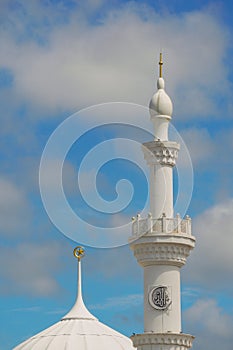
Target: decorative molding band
{"x":161,"y":253}
{"x":162,"y":152}
{"x":170,"y":341}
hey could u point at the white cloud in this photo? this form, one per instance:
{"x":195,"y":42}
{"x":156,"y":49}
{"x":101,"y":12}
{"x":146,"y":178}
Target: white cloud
{"x":211,"y":325}
{"x":200,"y":145}
{"x":84,"y":64}
{"x":114,"y":262}
{"x":14,"y":210}
{"x":27,"y":309}
{"x":206,"y":148}
{"x":212,"y":259}
{"x":121,"y":302}
{"x":68,"y":177}
{"x":30,"y":269}
{"x":90,"y":6}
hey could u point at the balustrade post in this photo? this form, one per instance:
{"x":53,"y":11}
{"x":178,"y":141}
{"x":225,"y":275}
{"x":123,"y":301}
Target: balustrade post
{"x":138,"y":225}
{"x":178,"y":223}
{"x":188,"y":225}
{"x":149,"y":222}
{"x":164,"y":223}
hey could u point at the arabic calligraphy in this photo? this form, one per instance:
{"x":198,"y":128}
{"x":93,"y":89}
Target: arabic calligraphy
{"x":159,"y":298}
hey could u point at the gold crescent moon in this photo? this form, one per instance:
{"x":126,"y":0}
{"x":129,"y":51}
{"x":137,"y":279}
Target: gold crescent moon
{"x":79,"y":252}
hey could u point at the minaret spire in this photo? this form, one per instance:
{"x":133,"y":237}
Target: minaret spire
{"x":160,"y":65}
{"x":79,"y":254}
{"x":79,"y":310}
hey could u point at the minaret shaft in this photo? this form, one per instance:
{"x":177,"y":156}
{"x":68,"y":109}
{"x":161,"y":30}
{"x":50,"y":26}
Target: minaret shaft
{"x":166,"y":320}
{"x":161,"y":191}
{"x":161,"y":157}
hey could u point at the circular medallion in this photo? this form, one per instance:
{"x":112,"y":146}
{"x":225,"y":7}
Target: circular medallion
{"x":159,"y":298}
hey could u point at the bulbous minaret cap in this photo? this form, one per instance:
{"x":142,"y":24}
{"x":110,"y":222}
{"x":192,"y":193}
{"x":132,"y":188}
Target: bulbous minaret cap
{"x":160,"y":103}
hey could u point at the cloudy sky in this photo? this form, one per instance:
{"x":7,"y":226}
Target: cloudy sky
{"x":97,"y":61}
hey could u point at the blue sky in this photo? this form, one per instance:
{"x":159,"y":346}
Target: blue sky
{"x":59,"y":57}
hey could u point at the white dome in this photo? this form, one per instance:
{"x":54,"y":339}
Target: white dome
{"x":78,"y":330}
{"x":160,"y":104}
{"x":77,"y":334}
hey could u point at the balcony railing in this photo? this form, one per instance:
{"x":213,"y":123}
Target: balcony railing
{"x":141,"y":226}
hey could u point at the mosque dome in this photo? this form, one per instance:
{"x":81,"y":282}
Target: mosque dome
{"x":78,"y":329}
{"x":160,"y":103}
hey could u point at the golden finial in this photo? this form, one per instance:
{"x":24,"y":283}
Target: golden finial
{"x":79,"y":252}
{"x":160,"y":65}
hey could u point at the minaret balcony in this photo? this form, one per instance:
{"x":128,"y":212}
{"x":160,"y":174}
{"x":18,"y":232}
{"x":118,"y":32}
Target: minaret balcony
{"x":152,"y":226}
{"x":161,"y":241}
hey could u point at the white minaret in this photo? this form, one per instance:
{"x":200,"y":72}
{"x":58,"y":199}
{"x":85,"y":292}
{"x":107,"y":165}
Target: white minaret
{"x":161,"y":242}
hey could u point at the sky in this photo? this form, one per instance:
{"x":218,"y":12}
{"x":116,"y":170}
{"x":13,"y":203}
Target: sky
{"x":75,"y":81}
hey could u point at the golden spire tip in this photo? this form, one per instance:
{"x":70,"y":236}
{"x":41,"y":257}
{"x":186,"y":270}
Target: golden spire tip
{"x":79,"y":252}
{"x":160,"y":65}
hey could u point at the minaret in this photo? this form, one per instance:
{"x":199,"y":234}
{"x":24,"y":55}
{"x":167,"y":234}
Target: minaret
{"x":161,"y":242}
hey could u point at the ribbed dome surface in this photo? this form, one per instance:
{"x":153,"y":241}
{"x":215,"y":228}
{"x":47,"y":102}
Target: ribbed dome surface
{"x":78,"y":330}
{"x":79,"y":334}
